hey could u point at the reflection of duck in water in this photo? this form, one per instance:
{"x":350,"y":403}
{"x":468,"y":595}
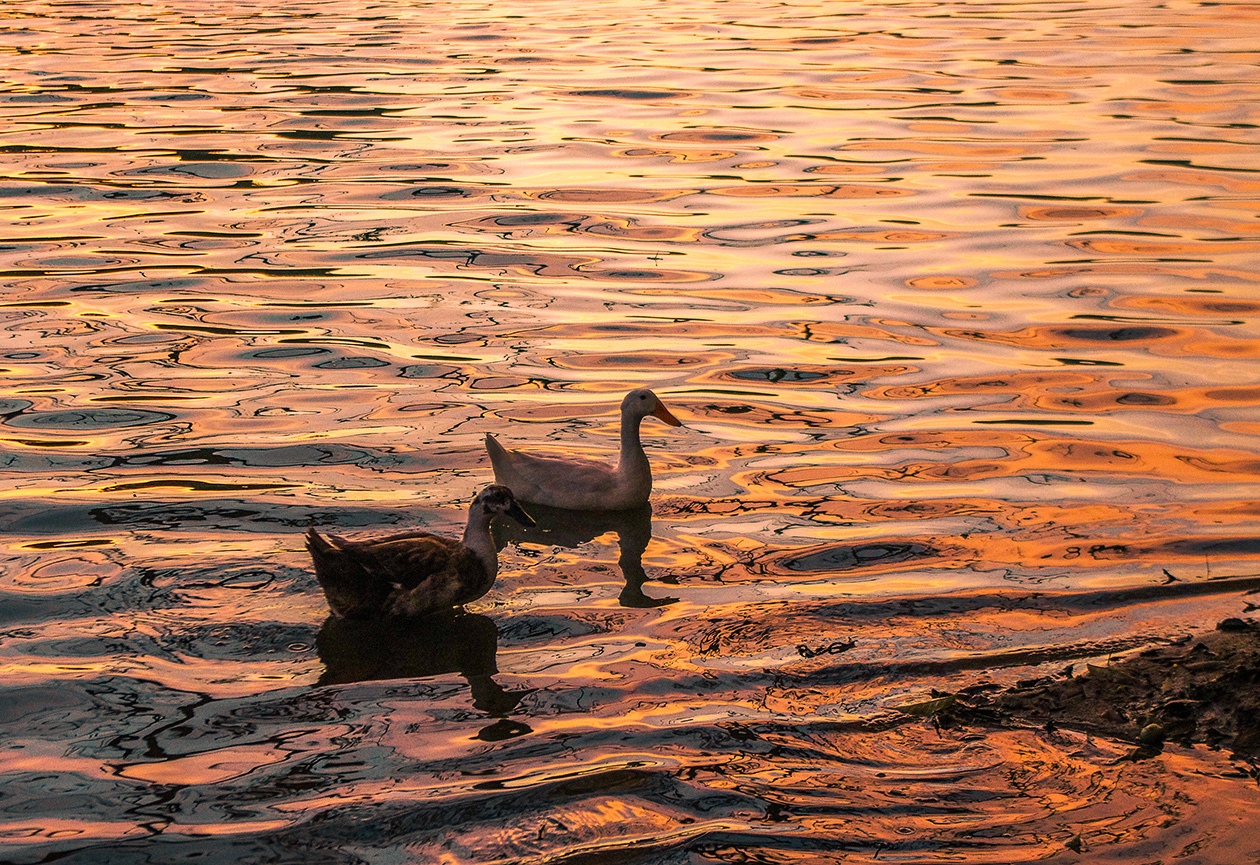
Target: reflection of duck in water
{"x":414,"y":573}
{"x":567,"y":528}
{"x":580,"y":484}
{"x":463,"y":643}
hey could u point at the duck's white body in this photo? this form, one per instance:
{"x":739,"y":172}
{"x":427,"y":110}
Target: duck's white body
{"x":581,"y":484}
{"x":414,"y":573}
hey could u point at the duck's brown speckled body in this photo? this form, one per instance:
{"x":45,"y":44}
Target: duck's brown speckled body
{"x":413,"y":573}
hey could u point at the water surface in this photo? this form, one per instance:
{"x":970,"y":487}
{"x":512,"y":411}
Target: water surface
{"x":958,"y":305}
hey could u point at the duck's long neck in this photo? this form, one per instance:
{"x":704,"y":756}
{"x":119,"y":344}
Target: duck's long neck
{"x":632,"y":457}
{"x":477,"y":538}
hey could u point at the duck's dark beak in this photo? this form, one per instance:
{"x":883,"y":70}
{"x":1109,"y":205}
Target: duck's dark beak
{"x":516,"y":513}
{"x":663,"y":413}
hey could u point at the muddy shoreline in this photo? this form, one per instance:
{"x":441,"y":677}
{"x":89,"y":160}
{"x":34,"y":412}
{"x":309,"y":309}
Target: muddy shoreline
{"x":1202,"y":689}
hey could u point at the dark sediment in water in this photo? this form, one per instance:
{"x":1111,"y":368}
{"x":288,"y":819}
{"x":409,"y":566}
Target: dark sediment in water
{"x":1203,"y":689}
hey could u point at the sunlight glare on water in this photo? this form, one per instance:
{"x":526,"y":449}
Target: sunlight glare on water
{"x":957,"y":303}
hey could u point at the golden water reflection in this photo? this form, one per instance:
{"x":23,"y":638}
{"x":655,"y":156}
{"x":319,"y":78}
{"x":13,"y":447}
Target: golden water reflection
{"x":957,"y":305}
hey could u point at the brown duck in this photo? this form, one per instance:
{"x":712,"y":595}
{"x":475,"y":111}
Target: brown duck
{"x":413,"y":573}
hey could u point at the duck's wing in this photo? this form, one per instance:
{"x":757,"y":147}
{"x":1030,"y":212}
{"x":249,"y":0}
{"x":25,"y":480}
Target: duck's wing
{"x":428,"y":573}
{"x":548,"y":480}
{"x":407,"y":560}
{"x":461,"y":578}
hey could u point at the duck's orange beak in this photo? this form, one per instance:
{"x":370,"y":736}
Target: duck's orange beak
{"x":663,"y":413}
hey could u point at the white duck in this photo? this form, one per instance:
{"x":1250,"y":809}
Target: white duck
{"x":413,"y":573}
{"x":587,"y":485}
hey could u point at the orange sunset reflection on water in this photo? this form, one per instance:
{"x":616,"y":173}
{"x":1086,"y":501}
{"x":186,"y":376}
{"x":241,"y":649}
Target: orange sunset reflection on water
{"x":956,"y":302}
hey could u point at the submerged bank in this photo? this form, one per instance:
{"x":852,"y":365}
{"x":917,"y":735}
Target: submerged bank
{"x":1200,"y":689}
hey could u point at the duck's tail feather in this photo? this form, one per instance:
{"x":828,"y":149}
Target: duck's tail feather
{"x":316,"y":543}
{"x":498,"y":456}
{"x":348,"y":587}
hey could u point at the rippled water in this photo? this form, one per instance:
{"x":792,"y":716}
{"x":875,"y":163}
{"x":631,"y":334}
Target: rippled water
{"x":958,"y":305}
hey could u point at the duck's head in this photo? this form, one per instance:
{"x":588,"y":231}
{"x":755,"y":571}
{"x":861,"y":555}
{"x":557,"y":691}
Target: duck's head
{"x":498,"y":499}
{"x":642,"y":402}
